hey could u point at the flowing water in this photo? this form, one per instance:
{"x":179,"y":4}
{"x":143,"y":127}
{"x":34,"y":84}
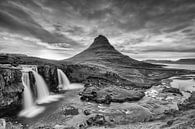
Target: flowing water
{"x":42,"y":88}
{"x":43,"y":91}
{"x":64,"y":83}
{"x":30,"y":109}
{"x":28,"y":99}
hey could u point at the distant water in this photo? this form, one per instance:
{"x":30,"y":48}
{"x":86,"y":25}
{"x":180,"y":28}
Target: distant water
{"x":178,"y":66}
{"x":185,"y":84}
{"x":181,"y":66}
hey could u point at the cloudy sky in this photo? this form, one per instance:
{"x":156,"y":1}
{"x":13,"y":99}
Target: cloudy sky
{"x":58,"y":29}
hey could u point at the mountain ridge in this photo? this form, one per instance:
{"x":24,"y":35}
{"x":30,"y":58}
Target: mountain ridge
{"x":101,"y":51}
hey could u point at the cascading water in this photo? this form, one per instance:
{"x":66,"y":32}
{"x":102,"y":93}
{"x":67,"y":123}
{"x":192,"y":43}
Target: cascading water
{"x":42,"y":90}
{"x":28,"y":99}
{"x":30,"y":109}
{"x":64,"y":83}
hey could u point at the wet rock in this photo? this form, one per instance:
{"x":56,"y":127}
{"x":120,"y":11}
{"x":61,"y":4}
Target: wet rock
{"x":49,"y":73}
{"x":189,"y":103}
{"x":86,"y":112}
{"x":11,"y":89}
{"x":133,"y":114}
{"x":170,"y":122}
{"x":172,"y":90}
{"x":70,"y":110}
{"x":171,"y":112}
{"x":97,"y":120}
{"x":83,"y":126}
{"x":187,"y":124}
{"x":6,"y":124}
{"x":110,"y":94}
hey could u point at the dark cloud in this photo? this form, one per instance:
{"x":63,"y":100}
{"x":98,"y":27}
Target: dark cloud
{"x":16,"y":20}
{"x":168,"y":49}
{"x":131,"y":25}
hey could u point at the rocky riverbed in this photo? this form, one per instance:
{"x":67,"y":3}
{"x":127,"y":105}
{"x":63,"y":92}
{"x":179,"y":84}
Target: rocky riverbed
{"x":162,"y":107}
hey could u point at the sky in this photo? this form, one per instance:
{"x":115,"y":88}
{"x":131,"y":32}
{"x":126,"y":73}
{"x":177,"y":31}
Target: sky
{"x":59,"y":29}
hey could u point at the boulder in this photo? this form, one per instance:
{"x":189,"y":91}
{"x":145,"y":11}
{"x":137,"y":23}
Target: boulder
{"x":97,"y":120}
{"x":110,"y":94}
{"x":70,"y":110}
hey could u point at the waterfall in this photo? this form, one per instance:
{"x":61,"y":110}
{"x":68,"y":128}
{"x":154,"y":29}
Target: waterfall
{"x":28,"y":99}
{"x":42,"y":89}
{"x":63,"y":81}
{"x":30,"y":109}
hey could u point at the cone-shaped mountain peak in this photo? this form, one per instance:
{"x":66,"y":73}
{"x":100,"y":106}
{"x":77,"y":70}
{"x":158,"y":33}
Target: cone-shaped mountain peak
{"x":102,"y":52}
{"x":100,"y":42}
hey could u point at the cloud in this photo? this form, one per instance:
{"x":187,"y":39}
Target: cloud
{"x":133,"y":26}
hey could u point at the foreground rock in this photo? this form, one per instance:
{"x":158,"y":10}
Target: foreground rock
{"x":49,"y":73}
{"x":189,"y":103}
{"x":110,"y":94}
{"x":11,"y":89}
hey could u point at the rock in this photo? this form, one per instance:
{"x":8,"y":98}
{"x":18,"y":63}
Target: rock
{"x":7,"y":124}
{"x":110,"y":94}
{"x":86,"y":112}
{"x":97,"y":120}
{"x":11,"y":89}
{"x":172,"y":90}
{"x":82,"y":126}
{"x":170,"y":122}
{"x":171,"y":112}
{"x":189,"y":103}
{"x":49,"y":73}
{"x":2,"y":124}
{"x":186,"y":124}
{"x":70,"y":110}
{"x":133,"y":114}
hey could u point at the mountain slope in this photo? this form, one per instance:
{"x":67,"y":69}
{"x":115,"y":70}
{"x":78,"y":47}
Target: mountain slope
{"x":102,"y":52}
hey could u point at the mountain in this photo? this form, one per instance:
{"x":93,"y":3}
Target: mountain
{"x":103,"y":55}
{"x":102,"y":52}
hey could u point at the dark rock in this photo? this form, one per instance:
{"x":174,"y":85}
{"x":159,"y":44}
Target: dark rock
{"x":11,"y":89}
{"x":70,"y":110}
{"x":170,"y":122}
{"x":82,"y":126}
{"x":172,"y":90}
{"x":110,"y":94}
{"x":189,"y":103}
{"x":86,"y":112}
{"x":49,"y":73}
{"x":97,"y":120}
{"x":186,"y":124}
{"x":171,"y":112}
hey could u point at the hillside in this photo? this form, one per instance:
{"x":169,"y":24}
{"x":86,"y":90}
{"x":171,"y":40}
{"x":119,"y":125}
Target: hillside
{"x":103,"y":55}
{"x":102,"y":52}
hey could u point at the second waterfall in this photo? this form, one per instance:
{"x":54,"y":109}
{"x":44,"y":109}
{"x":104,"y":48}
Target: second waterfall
{"x":64,"y":83}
